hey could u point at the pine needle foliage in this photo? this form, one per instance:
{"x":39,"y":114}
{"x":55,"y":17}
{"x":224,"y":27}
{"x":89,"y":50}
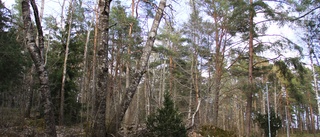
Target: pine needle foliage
{"x":166,"y":121}
{"x":275,"y":123}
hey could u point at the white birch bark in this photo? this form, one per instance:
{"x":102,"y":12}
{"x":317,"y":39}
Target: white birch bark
{"x":35,"y":52}
{"x":99,"y":123}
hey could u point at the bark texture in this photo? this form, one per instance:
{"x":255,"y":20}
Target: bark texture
{"x":37,"y":58}
{"x":99,"y":127}
{"x":141,"y":69}
{"x":220,"y":48}
{"x":249,"y":93}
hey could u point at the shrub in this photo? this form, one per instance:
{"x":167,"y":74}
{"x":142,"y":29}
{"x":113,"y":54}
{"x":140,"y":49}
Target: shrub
{"x":166,"y":122}
{"x":275,"y":123}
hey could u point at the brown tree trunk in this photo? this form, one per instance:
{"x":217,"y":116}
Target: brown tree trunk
{"x":99,"y":127}
{"x":315,"y":81}
{"x":171,"y":74}
{"x":94,"y":65}
{"x":312,"y":126}
{"x":249,"y":92}
{"x":141,"y":69}
{"x":35,"y":52}
{"x":218,"y":64}
{"x":288,"y":115}
{"x":300,"y":122}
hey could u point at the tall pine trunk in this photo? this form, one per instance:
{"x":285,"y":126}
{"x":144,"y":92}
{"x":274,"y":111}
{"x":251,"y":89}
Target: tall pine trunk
{"x":36,"y":55}
{"x":94,"y":64}
{"x":218,"y":64}
{"x":315,"y":81}
{"x":250,"y":90}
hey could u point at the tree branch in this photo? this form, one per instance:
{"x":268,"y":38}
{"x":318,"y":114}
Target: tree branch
{"x":306,"y":14}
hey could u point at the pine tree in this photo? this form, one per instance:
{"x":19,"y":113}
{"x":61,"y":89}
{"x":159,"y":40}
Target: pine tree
{"x":275,"y":123}
{"x":166,"y":122}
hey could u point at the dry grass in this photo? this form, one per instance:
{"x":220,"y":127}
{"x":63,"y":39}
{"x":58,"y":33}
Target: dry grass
{"x":300,"y":135}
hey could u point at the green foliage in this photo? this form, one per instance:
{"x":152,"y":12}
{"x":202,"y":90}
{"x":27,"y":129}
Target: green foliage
{"x":12,"y":56}
{"x":12,"y":60}
{"x":209,"y":130}
{"x":166,"y":122}
{"x":275,"y":123}
{"x":119,"y":34}
{"x":239,"y":20}
{"x":296,"y":81}
{"x":56,"y":55}
{"x":56,"y":59}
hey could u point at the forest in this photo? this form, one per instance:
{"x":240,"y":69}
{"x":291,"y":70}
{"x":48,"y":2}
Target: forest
{"x":159,"y":68}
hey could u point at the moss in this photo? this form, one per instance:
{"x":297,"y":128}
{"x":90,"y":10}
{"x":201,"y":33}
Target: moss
{"x":211,"y":131}
{"x":39,"y":124}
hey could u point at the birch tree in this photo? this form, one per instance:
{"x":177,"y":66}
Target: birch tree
{"x":35,"y":52}
{"x":141,"y":69}
{"x":99,"y":123}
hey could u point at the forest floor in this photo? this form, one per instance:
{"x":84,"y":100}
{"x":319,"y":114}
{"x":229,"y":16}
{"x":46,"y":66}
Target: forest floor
{"x":299,"y":135}
{"x":13,"y":124}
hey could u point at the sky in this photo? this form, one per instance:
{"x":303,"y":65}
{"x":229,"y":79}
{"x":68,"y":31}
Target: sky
{"x":181,"y":13}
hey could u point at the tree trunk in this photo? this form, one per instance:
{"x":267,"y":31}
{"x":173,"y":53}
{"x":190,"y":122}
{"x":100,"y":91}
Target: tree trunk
{"x":35,"y":52}
{"x":42,"y":9}
{"x":64,"y":72}
{"x":84,"y":89}
{"x":84,"y":80}
{"x":141,"y":69}
{"x":300,"y":120}
{"x":147,"y":92}
{"x":196,"y":84}
{"x":288,"y":115}
{"x":163,"y":84}
{"x":30,"y":90}
{"x":218,"y":64}
{"x":194,"y":72}
{"x":275,"y":98}
{"x":191,"y":89}
{"x":62,"y":12}
{"x":94,"y":65}
{"x":315,"y":80}
{"x":249,"y":92}
{"x":127,"y":116}
{"x":312,"y":126}
{"x":99,"y":127}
